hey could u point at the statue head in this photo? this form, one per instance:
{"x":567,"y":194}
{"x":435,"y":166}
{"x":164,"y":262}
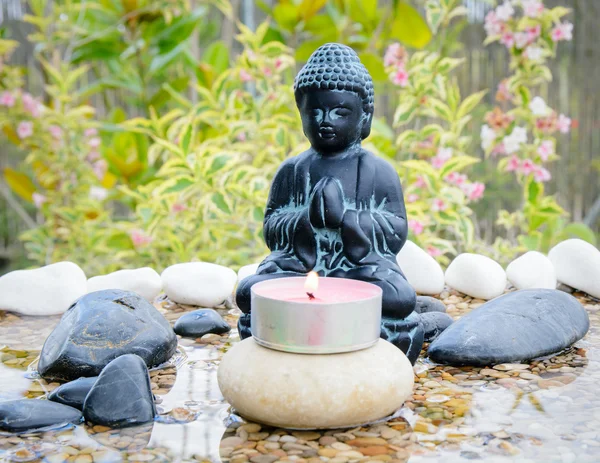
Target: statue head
{"x":334,"y":93}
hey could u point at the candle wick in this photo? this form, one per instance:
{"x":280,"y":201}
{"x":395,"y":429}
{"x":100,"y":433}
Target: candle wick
{"x":311,"y":296}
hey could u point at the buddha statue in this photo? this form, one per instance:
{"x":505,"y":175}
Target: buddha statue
{"x":338,"y":209}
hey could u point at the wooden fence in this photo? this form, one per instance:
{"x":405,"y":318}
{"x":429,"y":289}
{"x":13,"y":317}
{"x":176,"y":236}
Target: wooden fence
{"x":575,"y":91}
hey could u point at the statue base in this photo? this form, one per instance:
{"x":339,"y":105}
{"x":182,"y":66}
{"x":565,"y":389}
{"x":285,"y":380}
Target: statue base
{"x":301,"y":391}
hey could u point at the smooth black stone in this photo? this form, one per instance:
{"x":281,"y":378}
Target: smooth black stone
{"x":518,"y":326}
{"x":25,"y":415}
{"x":426,"y":304}
{"x":200,"y":322}
{"x":102,"y":326}
{"x":407,"y":335}
{"x":74,"y":393}
{"x":122,"y":395}
{"x":434,"y":323}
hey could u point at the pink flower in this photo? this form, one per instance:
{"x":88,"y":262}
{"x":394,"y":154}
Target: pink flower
{"x":400,"y":77}
{"x":541,"y":175}
{"x":503,"y":93}
{"x":100,"y":167}
{"x":241,"y":136}
{"x":545,"y":149}
{"x":438,"y":205}
{"x":508,"y":39}
{"x":527,"y":167}
{"x":178,"y":207}
{"x":474,"y":190}
{"x":245,"y":76}
{"x":564,"y":31}
{"x":412,"y":198}
{"x":521,"y":40}
{"x":533,"y":32}
{"x":563,"y":124}
{"x":443,"y":154}
{"x":267,"y":72}
{"x":56,"y":132}
{"x":505,"y":11}
{"x":25,"y":129}
{"x":420,"y":182}
{"x":7,"y":99}
{"x":139,"y":237}
{"x":278,"y":63}
{"x":91,"y":132}
{"x":433,"y":251}
{"x":532,"y":8}
{"x":415,"y":226}
{"x":31,"y":105}
{"x":395,"y":55}
{"x":493,"y":26}
{"x":93,"y":156}
{"x":38,"y":199}
{"x":499,"y":149}
{"x":514,"y":164}
{"x":455,"y":178}
{"x":94,"y":142}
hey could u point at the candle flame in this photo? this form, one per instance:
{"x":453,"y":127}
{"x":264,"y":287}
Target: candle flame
{"x":312,"y":282}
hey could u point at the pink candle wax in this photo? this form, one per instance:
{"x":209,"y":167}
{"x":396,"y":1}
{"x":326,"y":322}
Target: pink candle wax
{"x":330,"y":290}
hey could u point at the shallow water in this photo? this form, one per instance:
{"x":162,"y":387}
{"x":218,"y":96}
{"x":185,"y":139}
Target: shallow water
{"x":548,"y":410}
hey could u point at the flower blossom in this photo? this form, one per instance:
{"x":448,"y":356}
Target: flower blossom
{"x":507,"y":39}
{"x":400,"y":77}
{"x":527,"y":167}
{"x":94,"y":142}
{"x":539,"y":107}
{"x":98,"y":193}
{"x":563,"y":124}
{"x":503,"y":93}
{"x":488,"y":137}
{"x":456,"y":179}
{"x":245,"y":76}
{"x":545,"y":149}
{"x":31,"y":105}
{"x":25,"y":129}
{"x":178,"y":207}
{"x":514,"y":164}
{"x":433,"y":251}
{"x":534,"y":53}
{"x":56,"y":132}
{"x":416,"y":227}
{"x":395,"y":55}
{"x":443,"y":154}
{"x":505,"y":11}
{"x":563,"y":31}
{"x":533,"y":32}
{"x":493,"y":26}
{"x":532,"y":8}
{"x":541,"y":174}
{"x":38,"y":199}
{"x":513,"y":142}
{"x":139,"y":237}
{"x":7,"y":99}
{"x":474,"y":191}
{"x":90,"y":132}
{"x":546,"y":124}
{"x":100,"y":167}
{"x":498,"y":120}
{"x":420,"y":182}
{"x":498,"y":150}
{"x":521,"y":40}
{"x":438,"y":205}
{"x":411,"y":198}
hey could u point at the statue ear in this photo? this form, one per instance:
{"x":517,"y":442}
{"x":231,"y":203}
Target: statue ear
{"x":366,"y":126}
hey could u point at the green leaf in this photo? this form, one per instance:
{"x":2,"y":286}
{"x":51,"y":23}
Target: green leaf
{"x":309,"y":8}
{"x":180,"y":185}
{"x":405,"y":112}
{"x":374,"y":65}
{"x":456,"y":164}
{"x":533,"y":191}
{"x":469,"y":104}
{"x":409,"y":27}
{"x":19,"y":183}
{"x":578,"y":230}
{"x":286,"y":16}
{"x":217,"y":55}
{"x":219,"y":201}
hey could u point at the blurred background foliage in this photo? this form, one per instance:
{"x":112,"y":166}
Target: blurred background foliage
{"x":146,"y":132}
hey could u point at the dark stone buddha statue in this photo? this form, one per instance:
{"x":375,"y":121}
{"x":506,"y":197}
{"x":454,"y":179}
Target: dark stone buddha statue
{"x":337,"y":209}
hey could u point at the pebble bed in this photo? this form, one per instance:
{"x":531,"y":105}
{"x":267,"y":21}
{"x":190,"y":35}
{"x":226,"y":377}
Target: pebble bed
{"x":547,"y":410}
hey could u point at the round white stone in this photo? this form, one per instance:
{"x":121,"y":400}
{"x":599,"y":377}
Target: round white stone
{"x":476,"y":275}
{"x":302,"y":391}
{"x":422,"y":271}
{"x":48,"y":290}
{"x":198,"y":283}
{"x":577,"y":264}
{"x":143,"y":281}
{"x":532,"y":270}
{"x":247,"y":270}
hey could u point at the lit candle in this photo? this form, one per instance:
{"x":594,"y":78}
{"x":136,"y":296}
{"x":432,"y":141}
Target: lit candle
{"x":316,"y":314}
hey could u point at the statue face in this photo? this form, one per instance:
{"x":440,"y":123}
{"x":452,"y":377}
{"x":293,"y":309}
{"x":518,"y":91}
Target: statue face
{"x":332,"y":119}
